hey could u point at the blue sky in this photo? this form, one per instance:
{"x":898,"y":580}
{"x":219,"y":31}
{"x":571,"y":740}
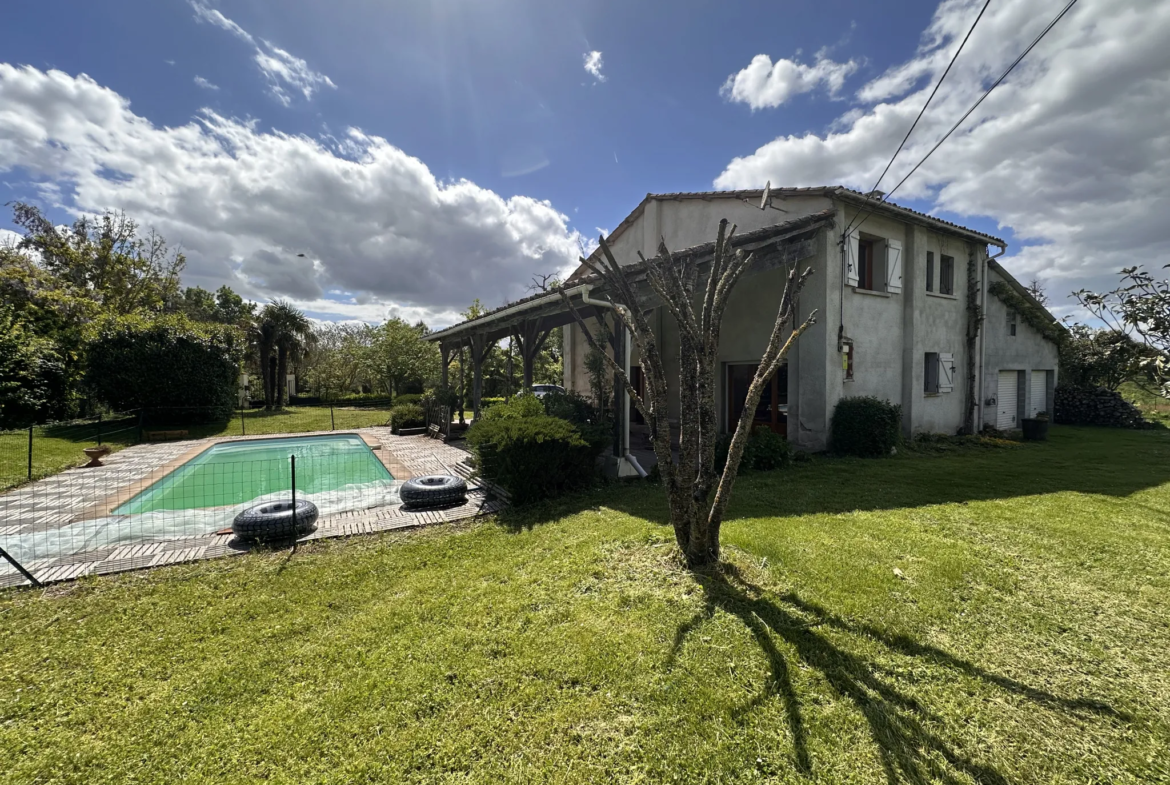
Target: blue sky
{"x":497,"y":93}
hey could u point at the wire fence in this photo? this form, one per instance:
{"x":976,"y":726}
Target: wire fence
{"x":44,"y":450}
{"x":103,"y":512}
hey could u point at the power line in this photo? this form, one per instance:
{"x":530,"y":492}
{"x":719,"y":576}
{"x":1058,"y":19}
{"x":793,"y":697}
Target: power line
{"x":922,"y":111}
{"x":975,"y":106}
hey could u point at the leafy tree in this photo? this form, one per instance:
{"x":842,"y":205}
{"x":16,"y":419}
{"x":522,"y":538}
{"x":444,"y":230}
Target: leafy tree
{"x":223,"y":306}
{"x":340,"y":358}
{"x":103,"y":259}
{"x":1099,"y":358}
{"x":33,"y":377}
{"x":1139,"y":307}
{"x":401,"y":356}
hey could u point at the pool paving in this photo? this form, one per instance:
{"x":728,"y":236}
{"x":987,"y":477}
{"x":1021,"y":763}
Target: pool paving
{"x":70,"y":496}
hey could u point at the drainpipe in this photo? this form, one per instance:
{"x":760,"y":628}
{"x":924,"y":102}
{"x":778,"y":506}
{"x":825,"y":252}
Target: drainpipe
{"x":983,"y":333}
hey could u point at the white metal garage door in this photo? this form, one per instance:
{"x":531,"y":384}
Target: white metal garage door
{"x":1005,"y":413}
{"x":1038,"y":394}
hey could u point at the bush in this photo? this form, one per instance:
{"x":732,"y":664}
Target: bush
{"x":407,"y":415}
{"x":764,"y":452}
{"x":571,"y":406}
{"x":408,"y":398}
{"x":304,"y":400}
{"x":189,"y":369}
{"x":363,"y":398}
{"x":33,"y":382}
{"x":867,"y":427}
{"x":530,"y":454}
{"x":487,"y":403}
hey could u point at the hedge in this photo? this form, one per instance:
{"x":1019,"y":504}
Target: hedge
{"x":191,"y":369}
{"x":867,"y":427}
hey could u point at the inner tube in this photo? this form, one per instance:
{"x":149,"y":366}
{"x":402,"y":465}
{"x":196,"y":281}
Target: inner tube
{"x":276,"y":521}
{"x":433,"y":490}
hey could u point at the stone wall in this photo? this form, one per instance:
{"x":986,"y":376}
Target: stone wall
{"x":1096,"y":406}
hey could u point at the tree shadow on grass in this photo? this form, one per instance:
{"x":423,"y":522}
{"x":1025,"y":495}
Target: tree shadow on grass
{"x":909,"y":750}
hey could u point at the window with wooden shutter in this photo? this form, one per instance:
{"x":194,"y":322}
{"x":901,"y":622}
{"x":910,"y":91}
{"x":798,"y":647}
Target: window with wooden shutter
{"x":930,"y":271}
{"x":852,"y":250}
{"x":946,"y":372}
{"x":894,"y":266}
{"x":946,"y":275}
{"x":865,"y":264}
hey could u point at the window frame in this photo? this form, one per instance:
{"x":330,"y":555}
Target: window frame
{"x":930,"y":365}
{"x":865,"y":264}
{"x":946,"y":275}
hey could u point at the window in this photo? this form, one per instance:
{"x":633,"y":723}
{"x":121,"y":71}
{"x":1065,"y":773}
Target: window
{"x":930,"y":373}
{"x":865,"y":264}
{"x":847,"y":359}
{"x":1011,"y":317}
{"x":930,"y":271}
{"x":946,"y":275}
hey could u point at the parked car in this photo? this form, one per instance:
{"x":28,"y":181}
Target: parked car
{"x":541,"y":390}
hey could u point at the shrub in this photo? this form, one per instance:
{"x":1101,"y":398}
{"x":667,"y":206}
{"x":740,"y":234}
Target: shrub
{"x":407,"y":415}
{"x":571,"y":406}
{"x":487,"y":403}
{"x":764,"y":452}
{"x":530,"y":454}
{"x":867,"y":427}
{"x":188,"y":369}
{"x":408,"y":398}
{"x":363,"y":398}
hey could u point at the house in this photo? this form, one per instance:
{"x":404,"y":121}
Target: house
{"x":899,"y":297}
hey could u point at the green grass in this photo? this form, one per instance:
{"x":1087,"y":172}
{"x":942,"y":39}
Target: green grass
{"x":1153,"y":407}
{"x":985,"y":615}
{"x":58,"y":447}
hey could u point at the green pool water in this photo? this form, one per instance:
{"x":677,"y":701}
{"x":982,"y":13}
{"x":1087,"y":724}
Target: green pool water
{"x":233,"y":473}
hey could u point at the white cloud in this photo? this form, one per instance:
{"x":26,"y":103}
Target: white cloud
{"x":205,"y":84}
{"x":374,"y":224}
{"x":281,"y":69}
{"x":766,"y":85}
{"x":9,"y":238}
{"x":593,"y":65}
{"x":1072,"y":151}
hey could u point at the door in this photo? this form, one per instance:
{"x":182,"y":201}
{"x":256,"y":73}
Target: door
{"x":1006,"y":394}
{"x":1038,"y":393}
{"x":772,"y":410}
{"x":638,"y":383}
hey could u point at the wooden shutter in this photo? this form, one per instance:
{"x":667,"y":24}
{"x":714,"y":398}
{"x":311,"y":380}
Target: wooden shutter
{"x":851,"y":257}
{"x":946,"y":372}
{"x":894,"y":266}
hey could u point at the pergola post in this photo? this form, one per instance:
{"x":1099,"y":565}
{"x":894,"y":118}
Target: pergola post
{"x":462,"y":385}
{"x":531,"y":339}
{"x":480,"y":348}
{"x":445,"y":354}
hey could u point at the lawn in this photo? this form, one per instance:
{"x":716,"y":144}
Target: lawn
{"x":1153,"y":406}
{"x":58,"y":447}
{"x":986,"y":615}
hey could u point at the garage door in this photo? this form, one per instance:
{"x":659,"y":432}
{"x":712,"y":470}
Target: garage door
{"x":1005,"y":413}
{"x":1038,"y":394}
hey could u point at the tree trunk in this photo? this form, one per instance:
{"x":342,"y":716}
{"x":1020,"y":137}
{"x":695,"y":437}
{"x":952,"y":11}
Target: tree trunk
{"x":266,"y":376}
{"x":281,"y":380}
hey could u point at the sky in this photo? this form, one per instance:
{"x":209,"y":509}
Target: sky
{"x":368,"y":158}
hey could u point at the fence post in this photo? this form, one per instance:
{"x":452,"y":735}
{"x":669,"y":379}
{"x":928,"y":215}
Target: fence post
{"x":30,"y":432}
{"x":20,"y":568}
{"x":99,"y":429}
{"x":292,"y":462}
{"x":243,"y":429}
{"x":332,"y":425}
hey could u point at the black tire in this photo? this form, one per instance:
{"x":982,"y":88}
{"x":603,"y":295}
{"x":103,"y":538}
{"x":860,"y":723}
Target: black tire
{"x":433,"y":490}
{"x":276,"y":521}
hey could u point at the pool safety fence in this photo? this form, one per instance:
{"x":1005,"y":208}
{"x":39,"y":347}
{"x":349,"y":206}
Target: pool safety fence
{"x":38,"y":451}
{"x":86,"y":514}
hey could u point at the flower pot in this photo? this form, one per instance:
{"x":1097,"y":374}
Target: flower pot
{"x":1034,"y":430}
{"x":95,"y":455}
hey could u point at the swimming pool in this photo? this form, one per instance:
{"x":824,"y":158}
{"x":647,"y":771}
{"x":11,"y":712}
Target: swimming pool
{"x":232,"y":473}
{"x":337,"y":472}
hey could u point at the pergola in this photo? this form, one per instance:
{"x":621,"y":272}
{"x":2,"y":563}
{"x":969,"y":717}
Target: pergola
{"x":530,"y":320}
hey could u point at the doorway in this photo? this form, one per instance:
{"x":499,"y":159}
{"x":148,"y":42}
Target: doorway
{"x":772,"y":410}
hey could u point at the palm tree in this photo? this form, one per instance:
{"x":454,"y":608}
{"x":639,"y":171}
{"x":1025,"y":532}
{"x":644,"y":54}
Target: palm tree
{"x":282,"y":329}
{"x":293,"y":332}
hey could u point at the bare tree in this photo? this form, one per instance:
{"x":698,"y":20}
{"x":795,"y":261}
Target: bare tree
{"x":1036,"y":289}
{"x":544,"y":282}
{"x":690,"y":483}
